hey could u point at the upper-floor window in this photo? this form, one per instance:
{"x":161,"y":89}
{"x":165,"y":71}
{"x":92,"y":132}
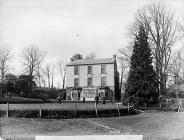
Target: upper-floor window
{"x":89,"y":69}
{"x":76,"y":82}
{"x":90,"y":80}
{"x":103,"y":81}
{"x":76,"y":70}
{"x":103,"y":69}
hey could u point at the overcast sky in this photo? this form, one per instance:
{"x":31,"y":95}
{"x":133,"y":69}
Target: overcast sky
{"x":65,"y":27}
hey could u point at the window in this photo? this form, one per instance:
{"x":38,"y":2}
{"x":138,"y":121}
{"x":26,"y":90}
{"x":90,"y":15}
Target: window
{"x":76,"y":70}
{"x":103,"y":69}
{"x":103,"y":81}
{"x":90,"y":82}
{"x":76,"y":82}
{"x":89,"y":69}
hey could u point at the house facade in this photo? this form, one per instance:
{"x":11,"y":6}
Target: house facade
{"x":92,"y":77}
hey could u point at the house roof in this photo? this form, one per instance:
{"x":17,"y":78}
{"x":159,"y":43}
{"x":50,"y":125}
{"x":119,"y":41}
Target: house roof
{"x":91,"y":61}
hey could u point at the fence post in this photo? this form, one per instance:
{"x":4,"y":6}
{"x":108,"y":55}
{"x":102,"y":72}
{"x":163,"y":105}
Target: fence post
{"x":7,"y":111}
{"x":145,"y":106}
{"x":75,"y":109}
{"x":118,"y":109}
{"x":170,"y":104}
{"x":40,"y":111}
{"x":128,"y":107}
{"x":96,"y":110}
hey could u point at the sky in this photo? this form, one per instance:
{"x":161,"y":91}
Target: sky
{"x":65,"y":27}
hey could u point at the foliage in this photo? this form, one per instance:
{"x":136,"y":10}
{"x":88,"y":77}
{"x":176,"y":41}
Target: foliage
{"x":172,"y":90}
{"x":10,"y":81}
{"x":24,"y":84}
{"x":45,"y":93}
{"x":142,"y":81}
{"x":76,"y":56}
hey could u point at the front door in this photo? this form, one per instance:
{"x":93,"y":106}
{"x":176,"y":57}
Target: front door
{"x":79,"y":93}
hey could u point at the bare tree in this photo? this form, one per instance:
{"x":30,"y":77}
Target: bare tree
{"x":124,"y":61}
{"x":124,"y":65}
{"x":39,"y":75}
{"x":32,"y":58}
{"x":4,"y":58}
{"x":62,"y":70}
{"x":125,"y":54}
{"x":164,"y":30}
{"x":47,"y":72}
{"x":176,"y":70}
{"x":43,"y":82}
{"x":52,"y":77}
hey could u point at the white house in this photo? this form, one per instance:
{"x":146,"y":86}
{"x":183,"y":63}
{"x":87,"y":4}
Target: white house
{"x":92,"y":77}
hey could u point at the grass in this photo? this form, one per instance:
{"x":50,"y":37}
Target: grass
{"x":159,"y":125}
{"x":16,"y":99}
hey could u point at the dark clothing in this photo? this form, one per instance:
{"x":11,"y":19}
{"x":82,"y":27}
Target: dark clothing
{"x":83,"y":100}
{"x":96,"y":99}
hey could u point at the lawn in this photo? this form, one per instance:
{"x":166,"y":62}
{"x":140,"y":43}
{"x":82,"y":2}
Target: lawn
{"x":16,"y":99}
{"x":157,"y":125}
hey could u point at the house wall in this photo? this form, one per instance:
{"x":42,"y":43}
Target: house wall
{"x":96,"y":75}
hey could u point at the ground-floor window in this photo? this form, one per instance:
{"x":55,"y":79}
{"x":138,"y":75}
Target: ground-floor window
{"x":76,"y":82}
{"x":103,"y":81}
{"x":90,"y":80}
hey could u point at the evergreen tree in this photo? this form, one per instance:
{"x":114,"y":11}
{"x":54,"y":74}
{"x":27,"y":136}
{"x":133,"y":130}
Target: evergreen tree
{"x":141,"y":82}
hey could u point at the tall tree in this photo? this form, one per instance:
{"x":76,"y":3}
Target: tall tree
{"x":76,"y":56}
{"x":124,"y":60}
{"x":32,"y":58}
{"x":163,"y":30}
{"x":142,"y":81}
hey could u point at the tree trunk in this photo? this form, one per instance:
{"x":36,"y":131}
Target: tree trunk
{"x":121,"y":82}
{"x":64,"y":82}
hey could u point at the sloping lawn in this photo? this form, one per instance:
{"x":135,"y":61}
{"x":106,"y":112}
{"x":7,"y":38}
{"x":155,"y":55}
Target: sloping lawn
{"x":158,"y":125}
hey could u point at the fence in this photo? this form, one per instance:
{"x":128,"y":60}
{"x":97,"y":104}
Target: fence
{"x":67,"y":109}
{"x":172,"y":104}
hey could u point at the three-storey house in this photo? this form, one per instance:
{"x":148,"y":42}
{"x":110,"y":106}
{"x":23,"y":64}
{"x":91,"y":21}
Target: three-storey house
{"x":88,"y":78}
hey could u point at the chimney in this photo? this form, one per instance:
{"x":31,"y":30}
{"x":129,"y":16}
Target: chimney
{"x":114,"y":57}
